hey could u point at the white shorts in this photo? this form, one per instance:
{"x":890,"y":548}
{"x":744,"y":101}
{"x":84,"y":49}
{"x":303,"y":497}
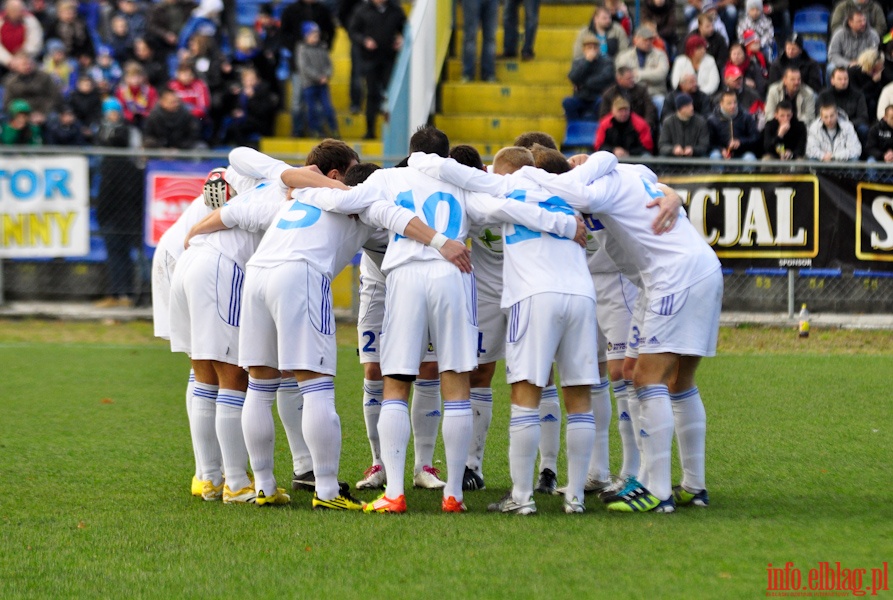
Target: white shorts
{"x":371,"y":314}
{"x":206,"y":302}
{"x":551,"y":327}
{"x":429,"y":300}
{"x":162,"y":272}
{"x":491,"y":329}
{"x":685,"y":323}
{"x":616,"y":300}
{"x":287,"y":320}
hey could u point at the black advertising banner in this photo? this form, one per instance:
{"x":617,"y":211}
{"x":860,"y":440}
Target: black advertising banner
{"x":791,"y":220}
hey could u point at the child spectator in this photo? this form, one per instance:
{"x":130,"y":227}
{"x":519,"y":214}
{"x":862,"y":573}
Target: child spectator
{"x":315,"y":67}
{"x":18,"y":129}
{"x":58,"y":64}
{"x":64,"y":129}
{"x":754,"y":20}
{"x":194,"y":94}
{"x":136,"y":96}
{"x":120,"y":39}
{"x":86,"y":102}
{"x":106,"y":72}
{"x":252,"y":112}
{"x":155,"y":68}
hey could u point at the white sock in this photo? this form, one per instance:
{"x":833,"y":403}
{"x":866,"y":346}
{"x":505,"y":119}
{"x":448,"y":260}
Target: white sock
{"x":189,"y":387}
{"x":656,"y":422}
{"x":457,"y":431}
{"x":322,"y":430}
{"x":371,"y":408}
{"x":426,"y":413}
{"x":625,"y":426}
{"x":290,"y":403}
{"x":550,"y":424}
{"x":633,"y":404}
{"x":260,"y":434}
{"x":232,"y":441}
{"x":524,"y":440}
{"x":393,"y":430}
{"x":580,"y":438}
{"x":691,"y":434}
{"x":599,"y":466}
{"x":482,"y":414}
{"x":204,"y":431}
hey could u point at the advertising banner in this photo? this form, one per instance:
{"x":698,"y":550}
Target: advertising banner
{"x":170,"y":187}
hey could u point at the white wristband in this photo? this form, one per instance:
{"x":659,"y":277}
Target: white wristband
{"x":438,"y":241}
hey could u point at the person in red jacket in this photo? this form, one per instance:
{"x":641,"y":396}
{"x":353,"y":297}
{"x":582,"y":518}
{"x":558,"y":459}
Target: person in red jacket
{"x":135,"y":94}
{"x":623,"y":132}
{"x":195,"y":95}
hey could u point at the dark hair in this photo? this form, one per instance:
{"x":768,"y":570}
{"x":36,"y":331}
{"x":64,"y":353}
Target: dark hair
{"x":359,"y":173}
{"x":728,"y":92}
{"x":828,"y":103}
{"x":839,"y":68}
{"x":792,"y":69}
{"x":549,"y":159}
{"x":529,"y":138}
{"x":467,"y":155}
{"x":853,"y":11}
{"x":784,"y":105}
{"x":623,"y":71}
{"x":431,"y":140}
{"x":332,"y":154}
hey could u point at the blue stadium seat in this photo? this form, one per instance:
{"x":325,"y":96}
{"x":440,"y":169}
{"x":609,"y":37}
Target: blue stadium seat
{"x":816,"y":49}
{"x":812,"y":20}
{"x":580,"y":133}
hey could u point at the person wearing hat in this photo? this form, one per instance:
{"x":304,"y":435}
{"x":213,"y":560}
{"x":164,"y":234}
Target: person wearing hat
{"x":684,"y":133}
{"x":794,"y":55}
{"x":755,"y":21}
{"x":591,"y":74}
{"x":18,"y":129}
{"x":696,"y":61}
{"x":623,"y":132}
{"x":873,"y":10}
{"x":791,"y":88}
{"x":747,"y":99}
{"x":849,"y":41}
{"x":784,"y":137}
{"x":756,"y":71}
{"x":650,"y":66}
{"x":315,"y":68}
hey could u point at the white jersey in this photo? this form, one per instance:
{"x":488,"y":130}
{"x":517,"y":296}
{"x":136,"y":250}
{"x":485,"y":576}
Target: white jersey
{"x":172,"y":239}
{"x":444,"y":207}
{"x":250,"y":163}
{"x":668,"y":263}
{"x":487,"y":259}
{"x":327,"y":241}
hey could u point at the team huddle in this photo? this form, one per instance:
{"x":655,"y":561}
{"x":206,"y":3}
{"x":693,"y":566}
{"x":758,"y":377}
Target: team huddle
{"x":249,"y":300}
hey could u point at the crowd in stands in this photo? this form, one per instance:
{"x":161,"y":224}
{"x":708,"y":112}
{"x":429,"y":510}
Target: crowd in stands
{"x":732,"y":79}
{"x":176,"y":75}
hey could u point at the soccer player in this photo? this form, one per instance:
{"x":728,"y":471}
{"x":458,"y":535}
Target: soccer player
{"x":288,"y":290}
{"x":678,"y":311}
{"x":427,"y":295}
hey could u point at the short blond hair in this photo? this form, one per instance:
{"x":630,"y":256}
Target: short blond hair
{"x":512,"y":158}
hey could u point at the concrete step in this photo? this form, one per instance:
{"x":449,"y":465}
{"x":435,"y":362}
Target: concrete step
{"x":498,"y":130}
{"x":298,"y":148}
{"x":350,"y":126}
{"x":499,"y":99}
{"x":539,"y":71}
{"x":568,"y":15}
{"x":552,"y":43}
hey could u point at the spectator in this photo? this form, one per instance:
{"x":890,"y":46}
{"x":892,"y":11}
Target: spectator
{"x":757,"y":70}
{"x":206,"y":17}
{"x":756,"y":21}
{"x":211,"y":66}
{"x":36,"y":88}
{"x":784,"y":137}
{"x":747,"y":99}
{"x":709,"y":10}
{"x":684,"y":133}
{"x":64,"y":129}
{"x":801,"y":97}
{"x":18,"y":130}
{"x":479,"y":14}
{"x":697,"y":62}
{"x":57,"y":64}
{"x":848,"y":100}
{"x":71,"y":29}
{"x":192,"y":92}
{"x":635,"y":93}
{"x":120,"y":39}
{"x":717,"y":45}
{"x":315,"y":67}
{"x":251,"y":113}
{"x":154,"y":67}
{"x":753,"y":77}
{"x":795,"y":56}
{"x":135,"y":15}
{"x":650,"y":66}
{"x":623,"y":132}
{"x":357,"y":90}
{"x":874,"y":15}
{"x":591,"y":75}
{"x":869,"y":78}
{"x":779,"y":13}
{"x":879,"y":146}
{"x":170,"y":124}
{"x":688,"y":85}
{"x":510,"y":28}
{"x":848,"y":42}
{"x":663,"y":14}
{"x":612,"y":39}
{"x":86,"y":102}
{"x":164,"y":20}
{"x":832,"y":137}
{"x":119,"y":206}
{"x":293,"y":16}
{"x":247,"y":53}
{"x":106,"y":72}
{"x":620,"y":14}
{"x":20,"y":31}
{"x":733,"y":132}
{"x":136,"y":96}
{"x":378,"y":26}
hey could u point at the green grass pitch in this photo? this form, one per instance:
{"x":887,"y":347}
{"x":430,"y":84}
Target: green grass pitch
{"x":95,"y":464}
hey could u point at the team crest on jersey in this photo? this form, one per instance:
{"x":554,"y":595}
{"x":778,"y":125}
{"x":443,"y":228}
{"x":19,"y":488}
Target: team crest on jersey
{"x":492,"y":241}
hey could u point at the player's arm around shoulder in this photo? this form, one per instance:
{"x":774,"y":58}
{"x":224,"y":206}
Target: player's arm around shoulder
{"x":211,"y":223}
{"x":450,"y":171}
{"x":484,"y":209}
{"x":251,"y":163}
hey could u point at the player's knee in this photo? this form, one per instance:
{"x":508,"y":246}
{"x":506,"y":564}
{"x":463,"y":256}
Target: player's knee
{"x":372,"y":371}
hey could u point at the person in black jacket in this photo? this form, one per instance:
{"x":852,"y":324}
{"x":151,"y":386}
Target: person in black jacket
{"x":795,"y":56}
{"x":170,"y":124}
{"x":879,"y":146}
{"x":688,"y":85}
{"x":378,"y":26}
{"x":733,"y":132}
{"x":685,"y":132}
{"x":591,"y":75}
{"x":847,"y":99}
{"x":784,"y":137}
